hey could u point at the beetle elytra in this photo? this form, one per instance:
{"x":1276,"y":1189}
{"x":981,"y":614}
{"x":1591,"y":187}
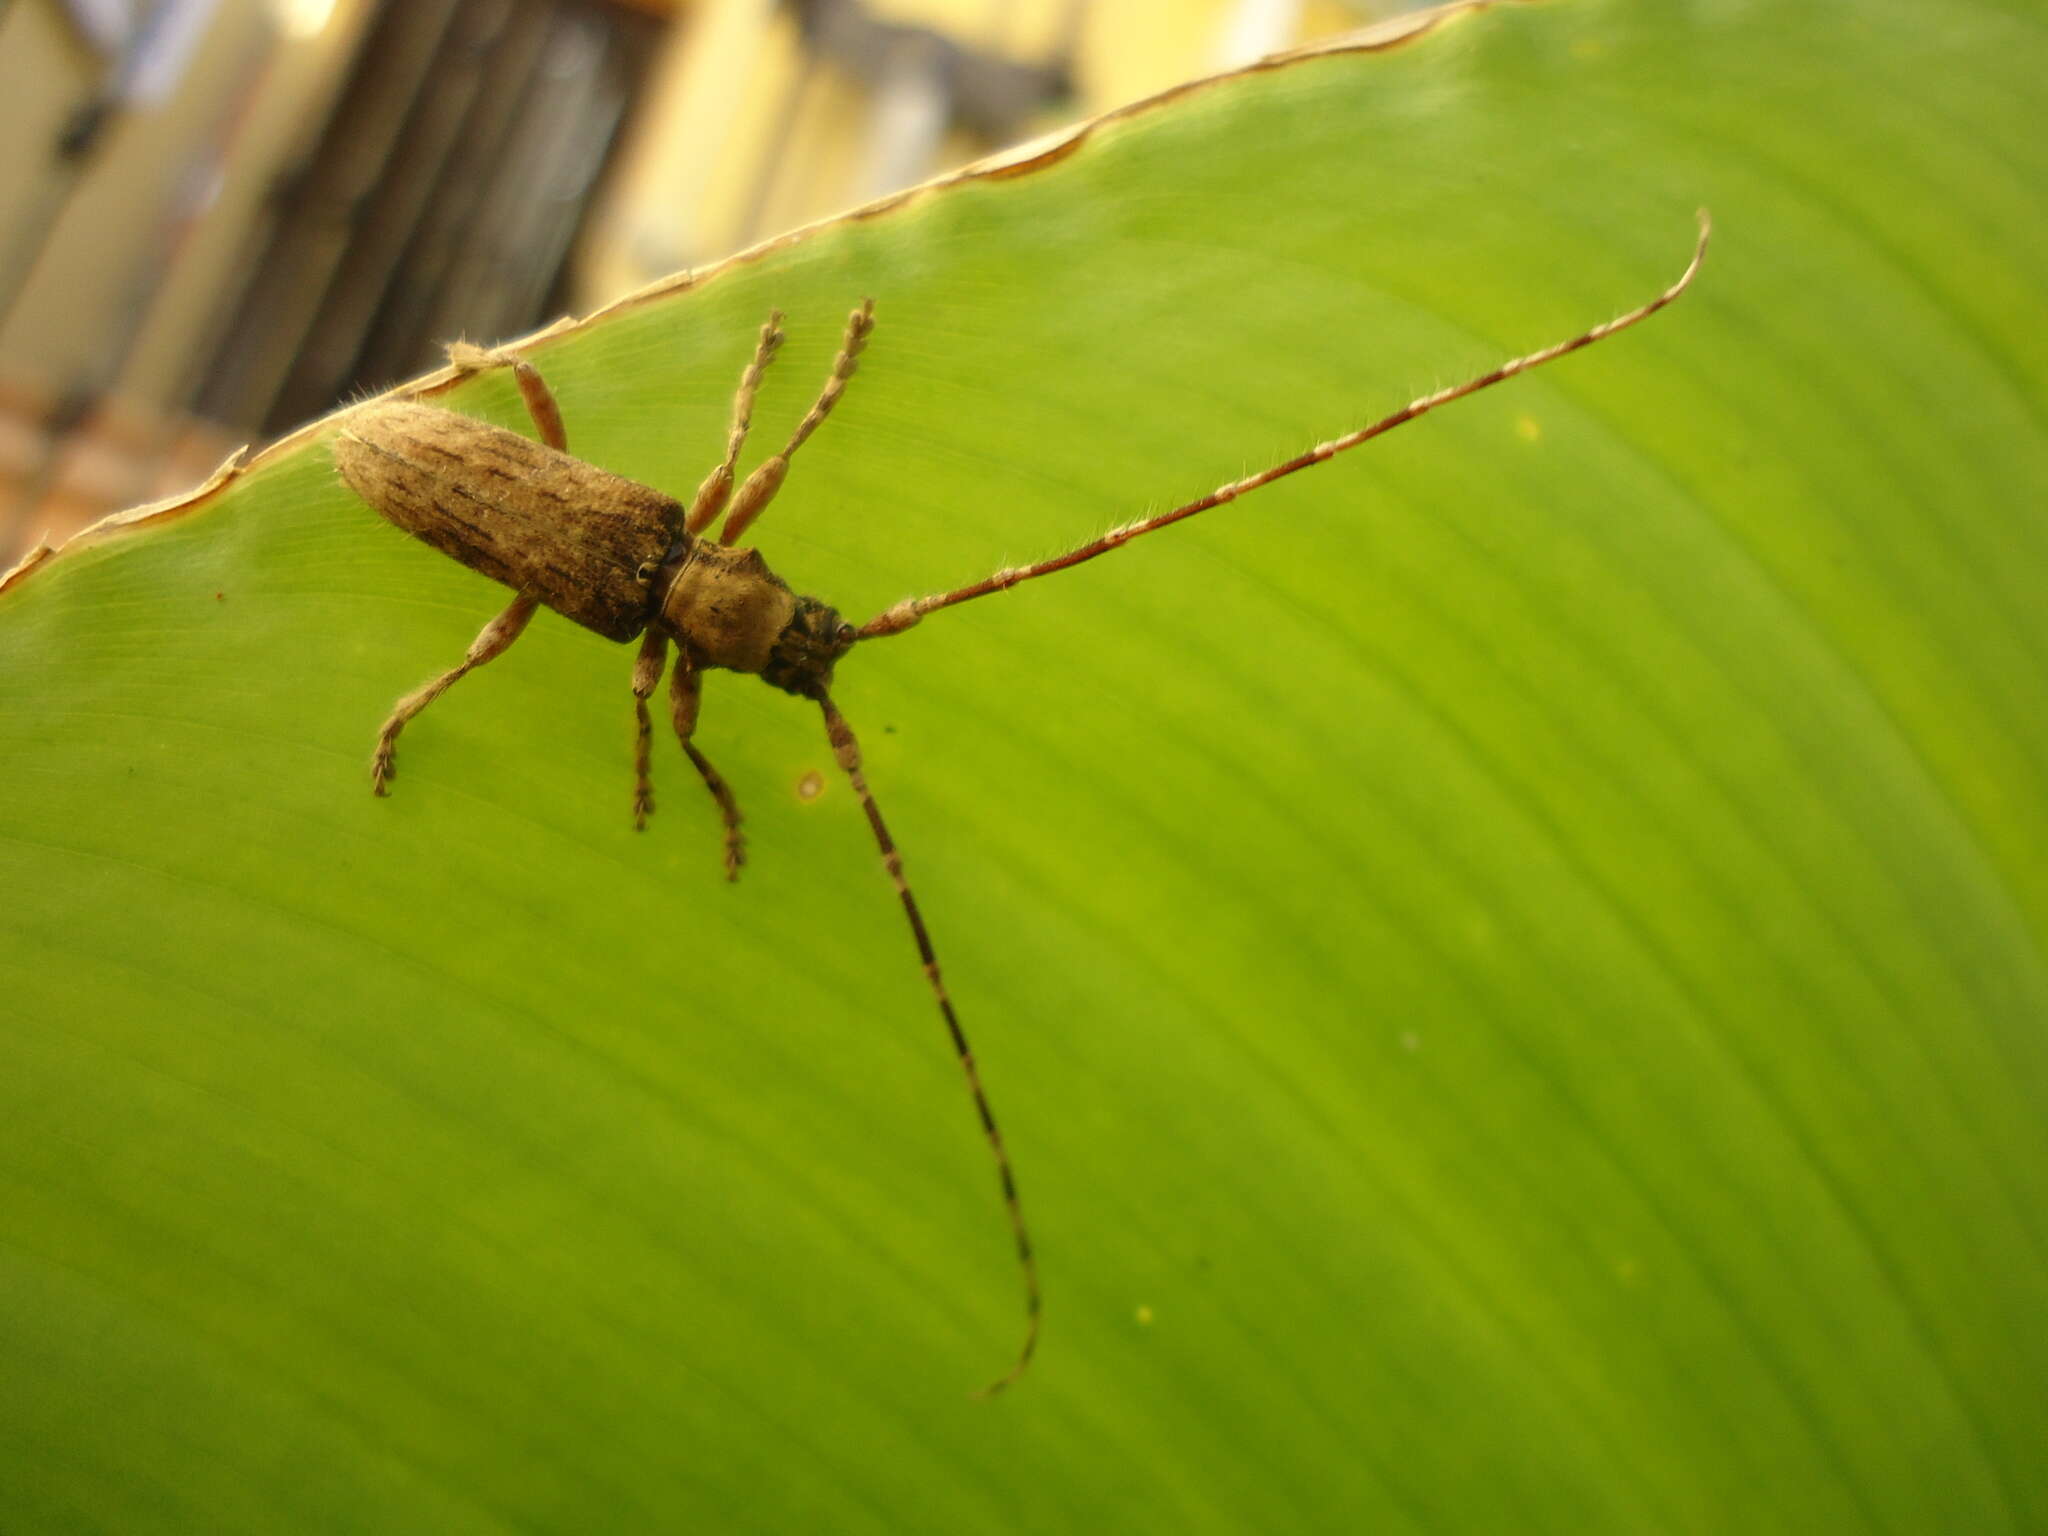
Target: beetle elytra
{"x":628,"y":561}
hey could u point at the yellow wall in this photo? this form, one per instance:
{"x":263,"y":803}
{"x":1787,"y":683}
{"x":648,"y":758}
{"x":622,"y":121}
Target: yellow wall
{"x":730,"y":95}
{"x":79,"y":296}
{"x":737,"y":139}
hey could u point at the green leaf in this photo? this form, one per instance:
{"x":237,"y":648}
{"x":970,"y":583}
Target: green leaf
{"x":1510,"y":963}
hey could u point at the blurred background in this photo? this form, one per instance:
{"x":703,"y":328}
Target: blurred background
{"x":219,"y":218}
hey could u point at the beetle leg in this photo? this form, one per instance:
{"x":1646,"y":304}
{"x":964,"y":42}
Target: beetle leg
{"x":646,"y":674}
{"x":490,"y":644}
{"x":533,"y":389}
{"x":684,"y":690}
{"x":766,"y":480}
{"x":711,"y":495}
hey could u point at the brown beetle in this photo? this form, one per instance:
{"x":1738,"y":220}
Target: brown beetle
{"x":615,"y":556}
{"x":625,"y":560}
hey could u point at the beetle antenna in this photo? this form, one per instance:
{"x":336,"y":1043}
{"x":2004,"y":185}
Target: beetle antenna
{"x":847,"y":752}
{"x":895,"y":620}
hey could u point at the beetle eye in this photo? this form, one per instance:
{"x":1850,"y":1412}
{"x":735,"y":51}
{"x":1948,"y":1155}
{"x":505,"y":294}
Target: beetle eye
{"x":847,"y":634}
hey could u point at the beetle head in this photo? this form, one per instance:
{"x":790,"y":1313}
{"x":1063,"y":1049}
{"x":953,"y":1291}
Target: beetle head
{"x":815,"y":638}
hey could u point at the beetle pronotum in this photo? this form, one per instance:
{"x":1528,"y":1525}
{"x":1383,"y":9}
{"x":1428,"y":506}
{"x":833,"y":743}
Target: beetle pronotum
{"x":626,"y":561}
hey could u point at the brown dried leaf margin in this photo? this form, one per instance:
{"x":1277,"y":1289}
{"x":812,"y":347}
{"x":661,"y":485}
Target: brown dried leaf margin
{"x":1020,"y":160}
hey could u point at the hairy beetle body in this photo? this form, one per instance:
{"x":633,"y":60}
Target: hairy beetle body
{"x":585,"y":542}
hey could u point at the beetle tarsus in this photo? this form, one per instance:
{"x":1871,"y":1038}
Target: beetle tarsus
{"x":646,"y":677}
{"x":685,"y":693}
{"x":492,"y":642}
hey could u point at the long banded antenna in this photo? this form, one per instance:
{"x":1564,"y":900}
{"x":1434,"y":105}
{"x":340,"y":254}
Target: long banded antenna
{"x":894,"y":620}
{"x":846,"y":750}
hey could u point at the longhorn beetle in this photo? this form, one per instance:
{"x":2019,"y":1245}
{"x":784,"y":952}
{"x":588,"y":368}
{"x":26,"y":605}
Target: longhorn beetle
{"x":626,"y":561}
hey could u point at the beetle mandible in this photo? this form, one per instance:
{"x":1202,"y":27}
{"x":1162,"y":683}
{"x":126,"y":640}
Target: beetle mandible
{"x":626,"y":560}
